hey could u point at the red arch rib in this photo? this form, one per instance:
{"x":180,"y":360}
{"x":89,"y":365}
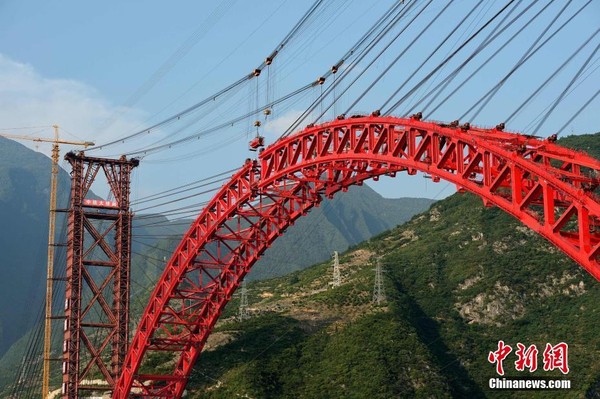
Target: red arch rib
{"x":545,"y":186}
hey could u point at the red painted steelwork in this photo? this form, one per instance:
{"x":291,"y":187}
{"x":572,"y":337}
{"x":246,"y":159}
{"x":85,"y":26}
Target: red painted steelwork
{"x":547,"y":187}
{"x":98,"y":260}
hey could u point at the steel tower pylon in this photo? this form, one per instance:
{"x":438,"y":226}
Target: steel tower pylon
{"x":96,"y":329}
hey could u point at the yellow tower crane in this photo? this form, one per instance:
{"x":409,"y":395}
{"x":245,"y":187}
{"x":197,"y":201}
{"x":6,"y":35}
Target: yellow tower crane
{"x":51,"y":231}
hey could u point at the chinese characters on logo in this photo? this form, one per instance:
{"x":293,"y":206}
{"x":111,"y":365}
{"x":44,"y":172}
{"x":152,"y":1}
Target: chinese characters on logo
{"x":526,"y":358}
{"x":554,"y":357}
{"x":499,"y":356}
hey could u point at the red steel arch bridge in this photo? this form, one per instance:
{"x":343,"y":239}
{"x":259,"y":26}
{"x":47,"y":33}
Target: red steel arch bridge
{"x":549,"y":188}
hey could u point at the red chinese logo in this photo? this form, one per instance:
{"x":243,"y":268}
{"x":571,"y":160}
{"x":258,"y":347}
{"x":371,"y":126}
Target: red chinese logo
{"x":527,"y":358}
{"x":556,"y":357}
{"x":499,"y":356}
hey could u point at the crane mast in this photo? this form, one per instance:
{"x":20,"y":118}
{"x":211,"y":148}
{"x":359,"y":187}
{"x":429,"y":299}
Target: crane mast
{"x":51,"y":244}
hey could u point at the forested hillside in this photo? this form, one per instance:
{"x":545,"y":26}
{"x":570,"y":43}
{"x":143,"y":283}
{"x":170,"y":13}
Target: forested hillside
{"x":458,"y":279}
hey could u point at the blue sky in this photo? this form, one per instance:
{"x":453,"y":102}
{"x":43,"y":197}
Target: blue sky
{"x":80,"y":64}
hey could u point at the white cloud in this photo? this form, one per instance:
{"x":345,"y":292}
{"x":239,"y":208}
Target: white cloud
{"x":275,"y":127}
{"x":30,"y":99}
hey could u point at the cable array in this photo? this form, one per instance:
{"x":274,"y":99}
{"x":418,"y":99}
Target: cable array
{"x":181,"y":215}
{"x":254,"y":74}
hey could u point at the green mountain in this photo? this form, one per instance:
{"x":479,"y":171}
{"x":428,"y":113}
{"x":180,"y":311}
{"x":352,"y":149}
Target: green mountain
{"x":348,"y":219}
{"x":458,"y":279}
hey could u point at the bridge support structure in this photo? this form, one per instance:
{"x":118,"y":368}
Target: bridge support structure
{"x":96,"y":326}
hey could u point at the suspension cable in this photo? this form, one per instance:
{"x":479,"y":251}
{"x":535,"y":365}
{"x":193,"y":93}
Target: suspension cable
{"x":445,"y":61}
{"x":417,"y":37}
{"x":212,"y":97}
{"x":491,"y":38}
{"x":531,"y":54}
{"x":373,"y":42}
{"x":562,"y":94}
{"x":384,"y":49}
{"x":570,"y":58}
{"x":579,"y":111}
{"x":168,"y":192}
{"x":425,"y":61}
{"x":530,"y":51}
{"x":231,"y":122}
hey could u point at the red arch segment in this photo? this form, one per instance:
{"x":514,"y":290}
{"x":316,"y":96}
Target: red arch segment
{"x":547,"y":187}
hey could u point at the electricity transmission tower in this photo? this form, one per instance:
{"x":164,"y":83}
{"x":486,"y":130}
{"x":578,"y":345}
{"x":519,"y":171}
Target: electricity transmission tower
{"x":378,"y":289}
{"x":337,"y":276}
{"x":243,"y":313}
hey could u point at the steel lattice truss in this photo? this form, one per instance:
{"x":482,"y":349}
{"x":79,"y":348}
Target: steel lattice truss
{"x":96,"y":329}
{"x":545,"y":186}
